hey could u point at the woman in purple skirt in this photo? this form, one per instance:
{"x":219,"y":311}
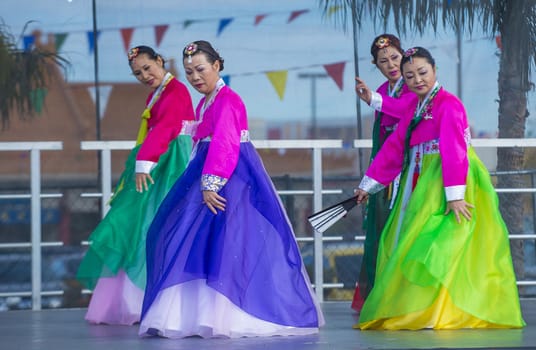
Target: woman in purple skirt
{"x":222,"y":260}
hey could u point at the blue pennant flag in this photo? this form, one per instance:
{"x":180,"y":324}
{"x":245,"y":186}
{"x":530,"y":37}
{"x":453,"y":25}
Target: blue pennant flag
{"x":28,"y":41}
{"x":91,"y":40}
{"x":224,"y":23}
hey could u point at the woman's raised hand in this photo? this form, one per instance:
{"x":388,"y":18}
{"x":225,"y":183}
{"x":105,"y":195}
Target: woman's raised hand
{"x":363,"y":90}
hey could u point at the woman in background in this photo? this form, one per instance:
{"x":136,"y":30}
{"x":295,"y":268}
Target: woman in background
{"x":395,"y":97}
{"x":114,"y":265}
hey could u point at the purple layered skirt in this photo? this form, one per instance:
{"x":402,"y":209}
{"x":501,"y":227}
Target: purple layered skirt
{"x":237,"y":273}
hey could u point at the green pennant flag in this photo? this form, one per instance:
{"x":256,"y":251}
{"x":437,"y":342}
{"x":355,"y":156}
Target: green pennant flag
{"x":59,"y":39}
{"x":37,"y":99}
{"x":187,"y":23}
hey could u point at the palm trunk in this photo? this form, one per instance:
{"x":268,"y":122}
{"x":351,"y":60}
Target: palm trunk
{"x":512,"y":115}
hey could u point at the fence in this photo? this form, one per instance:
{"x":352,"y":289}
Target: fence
{"x":35,"y":196}
{"x":317,"y":192}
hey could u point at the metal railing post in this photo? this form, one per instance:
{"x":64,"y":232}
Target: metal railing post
{"x":35,"y":176}
{"x":317,"y":206}
{"x":106,"y":177}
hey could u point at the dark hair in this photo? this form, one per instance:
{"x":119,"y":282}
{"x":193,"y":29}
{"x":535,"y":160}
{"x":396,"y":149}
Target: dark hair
{"x":203,"y":46}
{"x":381,"y":42}
{"x":137,"y":50}
{"x":416,"y":51}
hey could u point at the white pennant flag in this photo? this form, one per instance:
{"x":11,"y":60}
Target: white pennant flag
{"x":104,"y":92}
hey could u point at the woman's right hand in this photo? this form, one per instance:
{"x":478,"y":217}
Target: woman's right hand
{"x":142,"y":180}
{"x":362,"y":196}
{"x":363,"y":90}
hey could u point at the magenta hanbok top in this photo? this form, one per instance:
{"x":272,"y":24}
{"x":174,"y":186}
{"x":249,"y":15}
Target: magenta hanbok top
{"x":444,"y":121}
{"x":168,"y":114}
{"x":392,"y":112}
{"x":224,"y":123}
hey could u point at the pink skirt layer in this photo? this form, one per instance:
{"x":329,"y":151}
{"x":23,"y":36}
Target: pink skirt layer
{"x":115,"y":300}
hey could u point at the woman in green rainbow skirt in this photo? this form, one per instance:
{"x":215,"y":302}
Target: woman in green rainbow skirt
{"x":444,"y":257}
{"x":114,"y":265}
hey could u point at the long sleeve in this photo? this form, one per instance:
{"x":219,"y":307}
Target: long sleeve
{"x":228,"y":118}
{"x":167,"y":116}
{"x":388,"y":162}
{"x":392,"y":106}
{"x":390,"y":110}
{"x":453,"y":141}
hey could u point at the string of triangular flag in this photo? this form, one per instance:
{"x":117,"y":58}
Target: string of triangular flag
{"x":278,"y":78}
{"x":159,"y":30}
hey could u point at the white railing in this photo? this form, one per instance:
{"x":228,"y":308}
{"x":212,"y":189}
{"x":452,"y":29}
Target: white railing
{"x":317,"y":191}
{"x":35,"y":196}
{"x":105,"y":147}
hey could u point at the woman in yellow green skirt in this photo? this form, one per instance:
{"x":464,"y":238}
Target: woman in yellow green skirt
{"x":114,"y":265}
{"x":444,"y":257}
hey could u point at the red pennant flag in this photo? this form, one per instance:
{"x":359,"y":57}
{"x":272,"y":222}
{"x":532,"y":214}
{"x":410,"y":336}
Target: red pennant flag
{"x":159,"y":32}
{"x":126,"y":34}
{"x":498,"y":41}
{"x":336,"y":72}
{"x":259,"y":18}
{"x":296,"y":14}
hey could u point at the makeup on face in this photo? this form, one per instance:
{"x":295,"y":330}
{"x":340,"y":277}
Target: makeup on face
{"x":148,"y":71}
{"x":388,"y":62}
{"x":419,"y":76}
{"x":201,"y":74}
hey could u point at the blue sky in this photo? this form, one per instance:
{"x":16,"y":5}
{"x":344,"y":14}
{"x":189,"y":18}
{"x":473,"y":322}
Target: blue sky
{"x":303,"y":45}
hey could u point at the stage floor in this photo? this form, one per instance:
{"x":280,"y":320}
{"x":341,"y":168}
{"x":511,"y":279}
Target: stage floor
{"x":66,"y":329}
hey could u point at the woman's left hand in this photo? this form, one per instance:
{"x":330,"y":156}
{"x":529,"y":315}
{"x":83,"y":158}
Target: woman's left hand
{"x":459,"y":207}
{"x":214,"y":201}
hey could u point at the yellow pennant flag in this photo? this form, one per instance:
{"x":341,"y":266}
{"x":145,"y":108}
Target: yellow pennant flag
{"x":333,"y":9}
{"x":279,"y":81}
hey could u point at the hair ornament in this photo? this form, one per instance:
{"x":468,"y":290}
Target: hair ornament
{"x":382,"y":42}
{"x":133,"y":53}
{"x":410,"y":52}
{"x":189,"y":50}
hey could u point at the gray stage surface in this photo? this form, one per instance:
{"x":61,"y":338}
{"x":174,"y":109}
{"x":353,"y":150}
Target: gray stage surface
{"x":66,"y":329}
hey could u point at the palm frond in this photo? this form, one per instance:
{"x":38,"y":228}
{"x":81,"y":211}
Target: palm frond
{"x":22,"y":73}
{"x":512,"y":19}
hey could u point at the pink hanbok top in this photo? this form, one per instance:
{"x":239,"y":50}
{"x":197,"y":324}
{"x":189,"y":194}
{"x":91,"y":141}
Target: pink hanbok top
{"x":445,"y":121}
{"x":225,"y":123}
{"x":394,"y":109}
{"x":168,"y":113}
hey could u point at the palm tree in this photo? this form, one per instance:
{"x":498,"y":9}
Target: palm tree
{"x":515,"y":22}
{"x":23,"y":76}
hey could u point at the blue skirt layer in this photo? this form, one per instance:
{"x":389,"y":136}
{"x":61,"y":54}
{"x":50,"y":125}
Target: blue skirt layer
{"x":247,"y":253}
